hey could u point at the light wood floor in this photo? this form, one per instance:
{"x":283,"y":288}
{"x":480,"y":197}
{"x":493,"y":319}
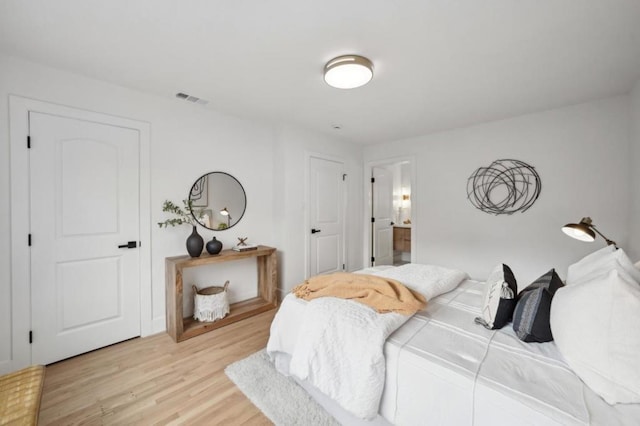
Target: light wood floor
{"x":156,"y":381}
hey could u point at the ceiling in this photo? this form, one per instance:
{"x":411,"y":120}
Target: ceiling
{"x":439,"y":64}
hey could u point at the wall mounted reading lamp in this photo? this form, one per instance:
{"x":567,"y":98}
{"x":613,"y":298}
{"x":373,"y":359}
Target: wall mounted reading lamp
{"x":585,"y":231}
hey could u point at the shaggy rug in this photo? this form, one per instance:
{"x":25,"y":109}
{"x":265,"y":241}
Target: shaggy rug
{"x":279,"y":397}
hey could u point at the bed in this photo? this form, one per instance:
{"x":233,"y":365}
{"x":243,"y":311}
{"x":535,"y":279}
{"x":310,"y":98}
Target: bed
{"x":441,"y":368}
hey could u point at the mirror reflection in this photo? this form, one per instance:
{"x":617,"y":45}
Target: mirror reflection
{"x":221,"y":198}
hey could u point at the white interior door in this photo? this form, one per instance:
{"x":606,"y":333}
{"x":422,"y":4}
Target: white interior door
{"x":85,"y":290}
{"x":382,"y":213}
{"x":326,"y":216}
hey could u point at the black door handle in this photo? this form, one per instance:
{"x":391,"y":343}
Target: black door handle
{"x":130,"y":244}
{"x":315,"y":231}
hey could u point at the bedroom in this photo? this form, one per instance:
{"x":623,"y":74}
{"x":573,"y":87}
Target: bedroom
{"x":529,"y":82}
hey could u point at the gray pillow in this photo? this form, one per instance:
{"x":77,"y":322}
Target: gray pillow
{"x":533,"y":310}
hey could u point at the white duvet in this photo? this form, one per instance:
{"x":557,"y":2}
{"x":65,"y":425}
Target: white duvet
{"x":329,"y":327}
{"x":332,"y":327}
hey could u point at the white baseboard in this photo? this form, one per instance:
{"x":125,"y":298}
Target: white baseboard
{"x":159,"y":325}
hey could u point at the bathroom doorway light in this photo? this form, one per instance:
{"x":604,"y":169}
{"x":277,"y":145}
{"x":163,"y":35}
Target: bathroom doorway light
{"x":348,"y":72}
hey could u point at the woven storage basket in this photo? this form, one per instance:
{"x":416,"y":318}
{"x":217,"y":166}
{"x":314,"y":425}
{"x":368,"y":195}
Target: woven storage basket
{"x":210,"y":303}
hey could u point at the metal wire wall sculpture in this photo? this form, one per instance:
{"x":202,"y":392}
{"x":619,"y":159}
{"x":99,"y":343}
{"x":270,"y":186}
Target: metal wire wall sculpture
{"x":505,"y":187}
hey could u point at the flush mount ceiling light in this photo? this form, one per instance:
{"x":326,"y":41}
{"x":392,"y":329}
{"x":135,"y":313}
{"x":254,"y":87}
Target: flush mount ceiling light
{"x":348,"y":72}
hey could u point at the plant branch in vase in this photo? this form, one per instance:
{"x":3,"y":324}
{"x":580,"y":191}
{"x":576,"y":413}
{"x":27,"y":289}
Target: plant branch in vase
{"x":185,"y":215}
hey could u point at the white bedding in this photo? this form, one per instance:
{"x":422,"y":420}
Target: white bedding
{"x":443,"y":369}
{"x":329,"y":329}
{"x":471,"y":375}
{"x":339,"y":344}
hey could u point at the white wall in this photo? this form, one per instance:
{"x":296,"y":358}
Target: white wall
{"x":293,"y":146}
{"x":634,"y":164}
{"x":581,"y":153}
{"x":186,"y":141}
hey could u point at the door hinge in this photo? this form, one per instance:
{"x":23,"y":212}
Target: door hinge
{"x":28,"y":142}
{"x":373,"y":259}
{"x":30,"y":336}
{"x":373,"y":180}
{"x":29,"y":240}
{"x":373,"y":220}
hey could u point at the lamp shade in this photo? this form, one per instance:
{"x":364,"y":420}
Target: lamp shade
{"x":348,"y":72}
{"x":224,"y":212}
{"x":579,"y":232}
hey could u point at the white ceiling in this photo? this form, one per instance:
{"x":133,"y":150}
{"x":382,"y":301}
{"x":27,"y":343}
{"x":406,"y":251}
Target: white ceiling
{"x":439,"y":64}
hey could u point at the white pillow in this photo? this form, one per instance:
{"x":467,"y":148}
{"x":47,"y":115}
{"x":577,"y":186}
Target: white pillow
{"x":596,"y":328}
{"x":600,"y":261}
{"x":577,"y":269}
{"x":428,"y":280}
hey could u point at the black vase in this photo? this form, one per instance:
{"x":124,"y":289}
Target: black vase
{"x":214,"y":246}
{"x":195,"y":243}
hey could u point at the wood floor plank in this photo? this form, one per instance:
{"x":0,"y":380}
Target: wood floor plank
{"x":154,"y":381}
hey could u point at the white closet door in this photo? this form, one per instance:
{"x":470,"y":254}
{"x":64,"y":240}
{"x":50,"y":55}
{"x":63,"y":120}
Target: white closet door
{"x":85,"y":290}
{"x":326,"y":216}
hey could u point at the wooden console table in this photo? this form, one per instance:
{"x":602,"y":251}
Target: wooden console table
{"x":180,"y":328}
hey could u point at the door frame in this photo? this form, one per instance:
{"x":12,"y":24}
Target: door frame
{"x":19,"y":108}
{"x":366,"y":218}
{"x":307,"y":202}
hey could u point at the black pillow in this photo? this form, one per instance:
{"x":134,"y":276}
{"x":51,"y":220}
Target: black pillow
{"x":499,"y":298}
{"x":531,"y":317}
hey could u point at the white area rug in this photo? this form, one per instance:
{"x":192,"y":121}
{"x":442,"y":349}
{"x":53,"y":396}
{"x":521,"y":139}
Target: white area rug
{"x":279,"y":397}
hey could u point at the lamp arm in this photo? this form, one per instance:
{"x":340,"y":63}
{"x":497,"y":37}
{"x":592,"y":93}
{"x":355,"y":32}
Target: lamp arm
{"x":609,"y":242}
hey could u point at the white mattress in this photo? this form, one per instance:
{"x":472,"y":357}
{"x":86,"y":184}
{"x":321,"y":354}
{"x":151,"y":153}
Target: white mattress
{"x":443,"y":369}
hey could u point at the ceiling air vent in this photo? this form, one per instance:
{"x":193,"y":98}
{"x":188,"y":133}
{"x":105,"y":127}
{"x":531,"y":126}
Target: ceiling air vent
{"x":190,"y":98}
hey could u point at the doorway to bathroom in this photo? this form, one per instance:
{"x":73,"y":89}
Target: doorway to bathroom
{"x":389,"y":227}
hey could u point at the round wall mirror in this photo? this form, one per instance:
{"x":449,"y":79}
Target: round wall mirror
{"x":221,"y":198}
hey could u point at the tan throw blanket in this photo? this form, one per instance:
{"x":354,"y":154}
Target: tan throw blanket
{"x":382,"y":294}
